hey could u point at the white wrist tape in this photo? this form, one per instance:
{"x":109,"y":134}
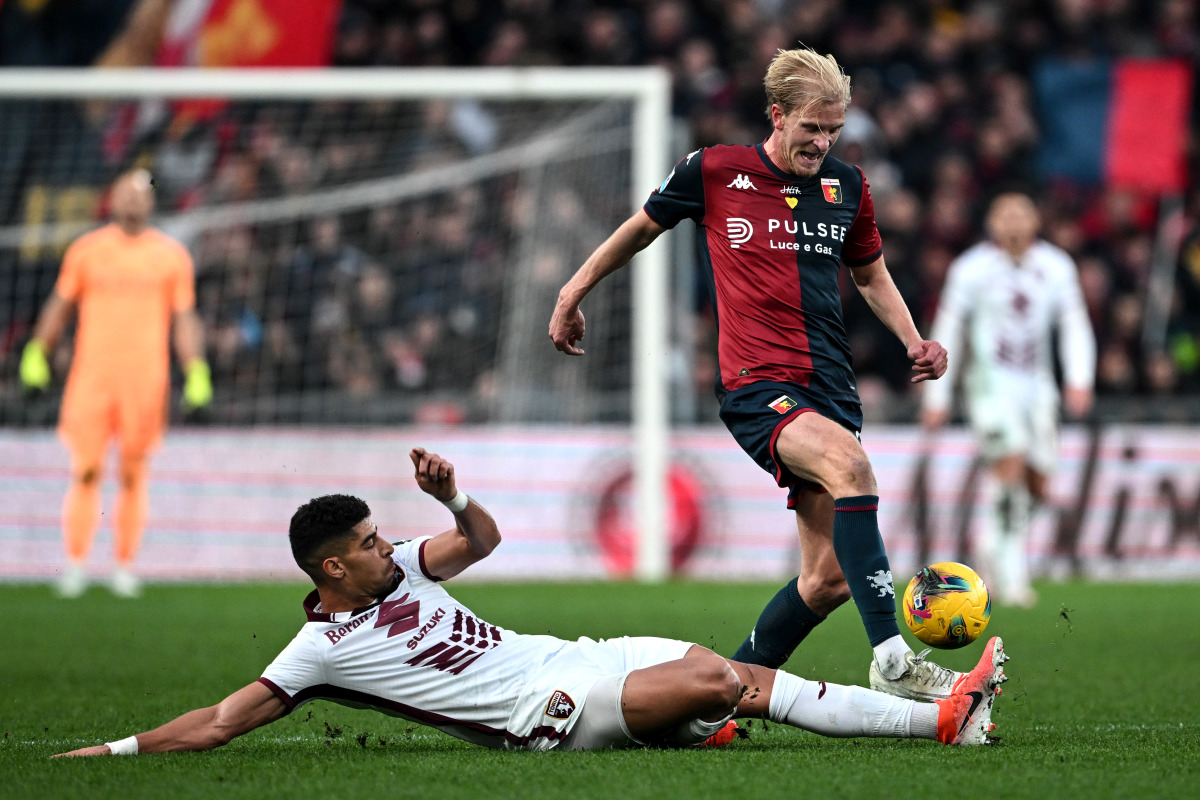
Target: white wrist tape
{"x":458,"y":503}
{"x":125,"y":747}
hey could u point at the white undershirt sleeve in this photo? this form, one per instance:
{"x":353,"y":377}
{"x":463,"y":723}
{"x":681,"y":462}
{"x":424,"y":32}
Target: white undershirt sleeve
{"x":1076,"y":342}
{"x":953,"y":307}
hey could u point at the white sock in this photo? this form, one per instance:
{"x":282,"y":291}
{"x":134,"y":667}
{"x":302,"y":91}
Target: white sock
{"x":1012,"y":516}
{"x":991,"y":533}
{"x":889,"y":655}
{"x":845,"y":711}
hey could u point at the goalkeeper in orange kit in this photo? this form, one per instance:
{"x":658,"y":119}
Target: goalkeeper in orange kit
{"x":134,"y":290}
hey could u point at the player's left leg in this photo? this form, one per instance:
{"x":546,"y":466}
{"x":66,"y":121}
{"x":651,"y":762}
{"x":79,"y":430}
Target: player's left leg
{"x":1002,"y":547}
{"x":130,"y":512}
{"x":142,"y":419}
{"x":806,"y":600}
{"x":840,"y":711}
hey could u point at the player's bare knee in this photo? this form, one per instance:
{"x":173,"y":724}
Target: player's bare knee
{"x":823,"y":592}
{"x":860,"y":476}
{"x":131,"y":472}
{"x":717,"y":685}
{"x":88,"y":476}
{"x":852,"y":474}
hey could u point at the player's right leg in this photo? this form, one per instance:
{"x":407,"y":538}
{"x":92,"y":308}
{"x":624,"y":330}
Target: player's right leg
{"x":142,"y":414}
{"x":681,"y":702}
{"x":129,"y":515}
{"x":1007,"y":532}
{"x":85,"y":432}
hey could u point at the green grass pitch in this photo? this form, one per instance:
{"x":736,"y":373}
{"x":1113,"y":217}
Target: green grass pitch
{"x":1101,"y":701}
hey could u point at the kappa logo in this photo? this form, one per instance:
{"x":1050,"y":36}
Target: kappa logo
{"x":782,"y":404}
{"x":739,"y":230}
{"x":882,"y":580}
{"x":741,"y":182}
{"x":560,"y":706}
{"x":832,"y":188}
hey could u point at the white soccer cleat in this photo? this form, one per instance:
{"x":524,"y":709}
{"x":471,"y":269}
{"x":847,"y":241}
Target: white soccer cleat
{"x":965,"y":718}
{"x":73,"y":582}
{"x":926,"y":681}
{"x":923,"y":680}
{"x":124,"y":583}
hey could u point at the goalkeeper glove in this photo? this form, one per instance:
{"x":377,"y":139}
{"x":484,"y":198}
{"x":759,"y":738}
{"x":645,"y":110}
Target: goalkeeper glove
{"x":197,"y":385}
{"x":35,"y":369}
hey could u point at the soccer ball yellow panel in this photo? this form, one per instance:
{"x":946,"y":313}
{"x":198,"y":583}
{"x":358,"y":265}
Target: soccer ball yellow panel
{"x":947,"y":605}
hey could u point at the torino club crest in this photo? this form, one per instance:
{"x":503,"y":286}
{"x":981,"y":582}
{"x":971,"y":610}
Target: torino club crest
{"x":560,"y":706}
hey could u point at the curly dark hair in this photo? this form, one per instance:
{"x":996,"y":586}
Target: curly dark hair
{"x":320,"y":522}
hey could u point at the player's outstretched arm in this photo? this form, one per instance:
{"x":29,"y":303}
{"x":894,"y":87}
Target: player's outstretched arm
{"x":203,"y":729}
{"x":634,"y":235}
{"x":475,"y":535}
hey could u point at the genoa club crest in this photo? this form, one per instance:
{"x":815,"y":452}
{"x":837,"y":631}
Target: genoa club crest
{"x":832,"y":188}
{"x":783,"y":404}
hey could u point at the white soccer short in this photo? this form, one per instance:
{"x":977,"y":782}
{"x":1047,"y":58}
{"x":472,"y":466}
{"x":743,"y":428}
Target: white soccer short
{"x":573,"y":701}
{"x":1017,"y":423}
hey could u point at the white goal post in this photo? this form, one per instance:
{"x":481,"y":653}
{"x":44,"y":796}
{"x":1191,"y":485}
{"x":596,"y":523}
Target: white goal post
{"x":647,"y":88}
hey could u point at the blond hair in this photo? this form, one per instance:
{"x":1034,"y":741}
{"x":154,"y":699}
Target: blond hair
{"x":803,"y":78}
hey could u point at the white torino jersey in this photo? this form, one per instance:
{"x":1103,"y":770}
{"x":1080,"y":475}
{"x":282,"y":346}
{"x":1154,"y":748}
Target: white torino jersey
{"x":419,"y":654}
{"x":1010,"y":310}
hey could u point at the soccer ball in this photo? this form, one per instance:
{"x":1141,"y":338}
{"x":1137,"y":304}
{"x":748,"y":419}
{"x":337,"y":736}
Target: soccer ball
{"x":947,"y":605}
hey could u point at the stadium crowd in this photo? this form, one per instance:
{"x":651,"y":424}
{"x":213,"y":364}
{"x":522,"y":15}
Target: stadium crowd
{"x":945,"y":112}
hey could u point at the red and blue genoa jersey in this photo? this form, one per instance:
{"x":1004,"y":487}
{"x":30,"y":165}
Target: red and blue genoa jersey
{"x":772,"y":245}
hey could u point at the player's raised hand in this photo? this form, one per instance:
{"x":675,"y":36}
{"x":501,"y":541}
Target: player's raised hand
{"x":566,"y":328}
{"x":929,"y":360}
{"x":434,"y":474}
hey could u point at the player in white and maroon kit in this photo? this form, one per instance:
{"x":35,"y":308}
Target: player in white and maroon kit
{"x":383,"y":634}
{"x":776,"y":222}
{"x":1010,"y":294}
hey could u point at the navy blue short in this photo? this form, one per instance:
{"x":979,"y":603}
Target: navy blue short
{"x":755,"y":415}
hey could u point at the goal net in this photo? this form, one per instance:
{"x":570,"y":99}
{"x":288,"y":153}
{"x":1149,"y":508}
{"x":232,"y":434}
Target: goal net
{"x":370,"y":247}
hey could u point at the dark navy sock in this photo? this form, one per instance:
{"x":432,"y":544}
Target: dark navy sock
{"x":781,"y":627}
{"x":864,"y":562}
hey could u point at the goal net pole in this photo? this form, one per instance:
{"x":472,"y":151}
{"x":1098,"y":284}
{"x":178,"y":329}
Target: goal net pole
{"x":647,"y":87}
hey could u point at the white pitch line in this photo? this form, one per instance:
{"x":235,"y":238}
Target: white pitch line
{"x":76,"y":743}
